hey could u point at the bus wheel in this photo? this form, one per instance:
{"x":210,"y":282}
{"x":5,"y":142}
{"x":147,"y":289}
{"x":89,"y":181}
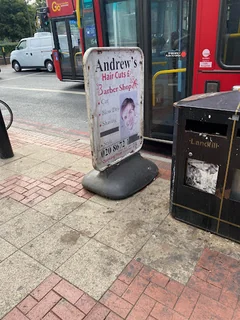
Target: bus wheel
{"x":49,"y":66}
{"x":16,"y":66}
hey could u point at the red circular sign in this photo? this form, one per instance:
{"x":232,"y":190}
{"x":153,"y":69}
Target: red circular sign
{"x":183,"y":54}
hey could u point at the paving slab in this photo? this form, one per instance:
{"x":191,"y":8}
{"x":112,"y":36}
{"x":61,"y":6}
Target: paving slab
{"x":114,"y":204}
{"x":4,"y":174}
{"x":89,"y":218}
{"x":181,"y":234}
{"x":126,"y":236}
{"x":85,"y":141}
{"x":19,"y":274}
{"x":6,"y":249}
{"x":14,"y":158}
{"x":65,"y":160}
{"x":149,"y":205}
{"x":25,"y":227}
{"x":54,"y":246}
{"x":59,"y":205}
{"x":43,"y":154}
{"x":82,"y":165}
{"x":32,"y":148}
{"x":93,"y":268}
{"x":21,"y":165}
{"x":10,"y":208}
{"x":41,"y":170}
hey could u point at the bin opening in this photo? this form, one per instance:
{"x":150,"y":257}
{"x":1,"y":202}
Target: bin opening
{"x":206,"y":127}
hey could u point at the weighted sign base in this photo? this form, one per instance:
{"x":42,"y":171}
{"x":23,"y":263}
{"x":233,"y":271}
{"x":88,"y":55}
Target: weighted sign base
{"x":123,"y":179}
{"x":5,"y":145}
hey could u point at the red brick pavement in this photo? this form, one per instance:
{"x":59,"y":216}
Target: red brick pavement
{"x":21,"y":138}
{"x":30,"y":191}
{"x":141,"y":293}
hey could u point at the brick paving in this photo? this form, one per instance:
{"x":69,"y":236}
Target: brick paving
{"x":21,"y":138}
{"x":142,"y":293}
{"x":30,"y":191}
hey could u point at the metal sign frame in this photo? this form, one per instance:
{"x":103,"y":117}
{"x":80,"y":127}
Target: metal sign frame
{"x":114,"y":85}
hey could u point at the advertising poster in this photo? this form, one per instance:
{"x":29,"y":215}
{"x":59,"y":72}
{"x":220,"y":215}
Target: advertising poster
{"x":114,"y":91}
{"x":60,"y":8}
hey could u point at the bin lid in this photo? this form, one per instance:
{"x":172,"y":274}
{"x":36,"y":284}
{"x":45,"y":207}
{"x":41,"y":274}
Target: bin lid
{"x":222,"y":101}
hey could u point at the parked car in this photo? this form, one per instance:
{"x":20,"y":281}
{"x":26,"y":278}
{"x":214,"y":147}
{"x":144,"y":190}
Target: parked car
{"x":34,"y":52}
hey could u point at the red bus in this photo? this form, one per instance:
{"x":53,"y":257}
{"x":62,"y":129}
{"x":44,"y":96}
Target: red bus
{"x":190,"y":46}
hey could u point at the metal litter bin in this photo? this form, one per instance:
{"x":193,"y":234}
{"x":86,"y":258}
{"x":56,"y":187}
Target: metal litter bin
{"x":205,"y":185}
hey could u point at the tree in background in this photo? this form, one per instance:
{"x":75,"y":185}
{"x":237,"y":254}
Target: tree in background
{"x":40,"y":3}
{"x":17,"y":19}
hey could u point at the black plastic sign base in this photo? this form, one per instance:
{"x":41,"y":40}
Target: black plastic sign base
{"x":123,"y":179}
{"x":5,"y":145}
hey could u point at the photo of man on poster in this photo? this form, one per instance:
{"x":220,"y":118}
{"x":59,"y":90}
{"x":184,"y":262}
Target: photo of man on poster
{"x":129,"y":114}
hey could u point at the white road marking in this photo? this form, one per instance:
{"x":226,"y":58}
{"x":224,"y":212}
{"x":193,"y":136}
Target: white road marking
{"x":19,"y":78}
{"x":44,"y":90}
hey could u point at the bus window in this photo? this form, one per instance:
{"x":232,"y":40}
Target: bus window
{"x":121,"y":23}
{"x":230,"y":34}
{"x":75,"y":36}
{"x":76,"y":47}
{"x":62,"y":37}
{"x":90,"y":36}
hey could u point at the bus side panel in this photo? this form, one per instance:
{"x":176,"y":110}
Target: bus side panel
{"x":225,"y":80}
{"x":97,"y":11}
{"x":205,"y":42}
{"x":206,"y":68}
{"x":56,"y":62}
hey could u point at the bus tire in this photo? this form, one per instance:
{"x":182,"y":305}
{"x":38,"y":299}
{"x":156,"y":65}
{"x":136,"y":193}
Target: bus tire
{"x":49,"y":66}
{"x":16,"y":66}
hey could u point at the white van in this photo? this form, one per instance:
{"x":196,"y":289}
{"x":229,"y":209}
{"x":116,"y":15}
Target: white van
{"x":34,"y":52}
